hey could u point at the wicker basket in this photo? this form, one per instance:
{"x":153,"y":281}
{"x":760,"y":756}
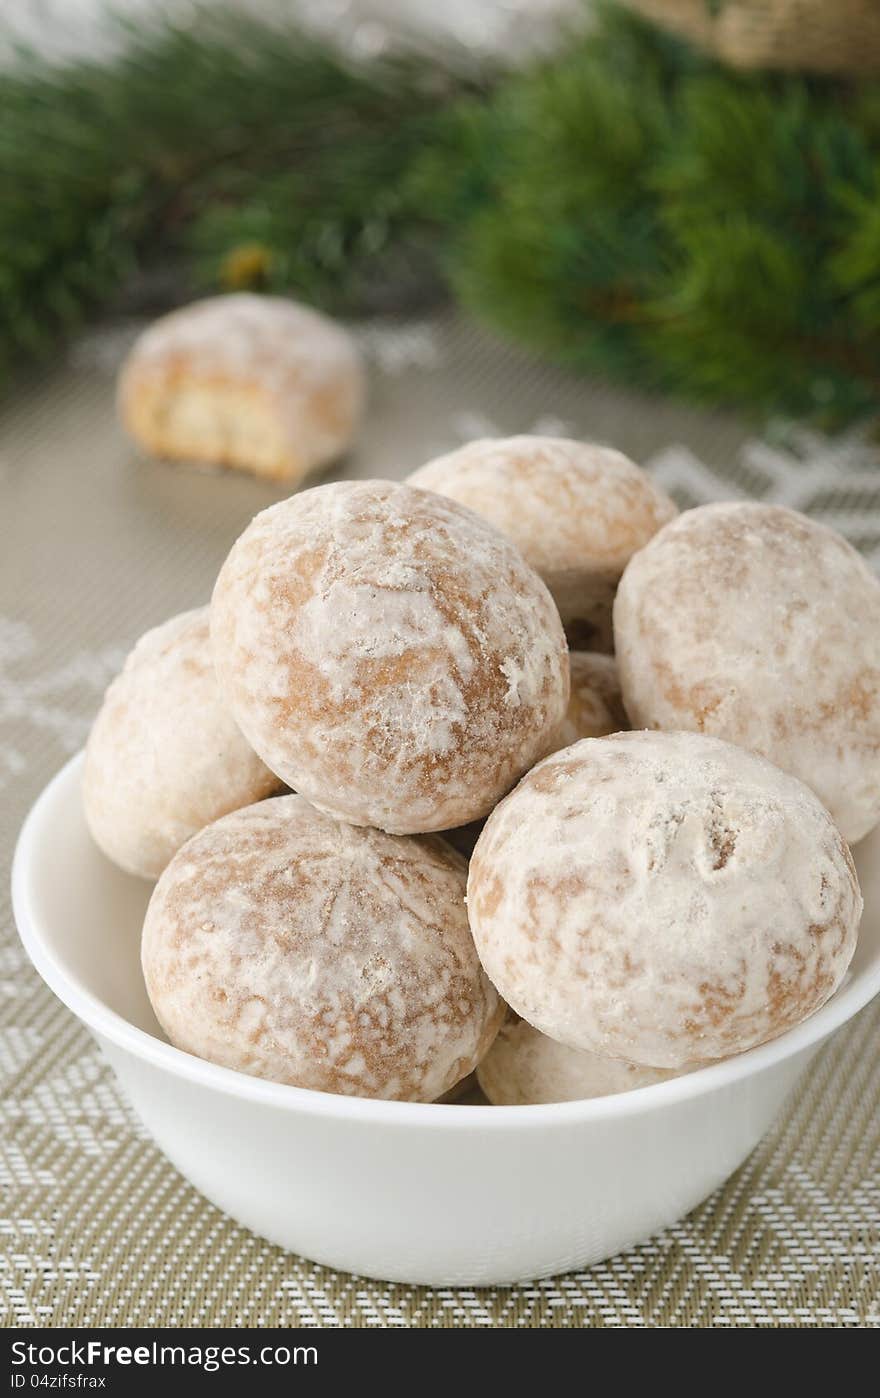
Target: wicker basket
{"x":825,"y":36}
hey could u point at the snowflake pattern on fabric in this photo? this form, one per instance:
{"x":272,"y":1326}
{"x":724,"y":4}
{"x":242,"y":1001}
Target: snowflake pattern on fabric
{"x":97,"y":1227}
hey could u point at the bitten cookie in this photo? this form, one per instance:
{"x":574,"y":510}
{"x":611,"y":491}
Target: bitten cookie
{"x":388,"y":654}
{"x":758,"y":625}
{"x":255,"y":382}
{"x":665,"y":898}
{"x":523,"y":1066}
{"x":576,"y":511}
{"x":164,"y":756}
{"x":595,"y":705}
{"x":286,"y":945}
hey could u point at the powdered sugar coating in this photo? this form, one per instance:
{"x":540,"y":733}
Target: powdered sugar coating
{"x":164,"y":757}
{"x":576,"y":511}
{"x":595,"y":705}
{"x":388,"y":654}
{"x":297,"y":377}
{"x":595,"y":708}
{"x":525,"y":1066}
{"x":666,"y":898}
{"x":758,"y":625}
{"x":287,"y":945}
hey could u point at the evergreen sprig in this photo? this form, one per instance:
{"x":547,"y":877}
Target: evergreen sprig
{"x":240,"y":151}
{"x":645,"y":212}
{"x":629,"y":206}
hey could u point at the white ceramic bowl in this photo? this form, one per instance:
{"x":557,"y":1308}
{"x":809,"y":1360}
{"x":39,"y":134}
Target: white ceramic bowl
{"x":403,"y":1191}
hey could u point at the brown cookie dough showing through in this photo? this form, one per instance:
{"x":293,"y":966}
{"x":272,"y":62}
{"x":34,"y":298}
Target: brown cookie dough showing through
{"x":388,"y":654}
{"x":665,"y":898}
{"x":259,"y":383}
{"x":284,"y":944}
{"x":595,"y":708}
{"x":752,"y":623}
{"x":576,"y":511}
{"x":595,"y":705}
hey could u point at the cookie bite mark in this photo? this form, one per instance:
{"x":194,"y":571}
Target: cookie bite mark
{"x":664,"y":898}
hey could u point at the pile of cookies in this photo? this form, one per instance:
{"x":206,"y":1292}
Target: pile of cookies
{"x":635,"y":904}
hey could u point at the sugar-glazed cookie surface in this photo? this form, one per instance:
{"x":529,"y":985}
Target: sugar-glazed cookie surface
{"x":595,"y":705}
{"x":388,"y":654}
{"x":164,"y":756}
{"x":576,"y":511}
{"x":758,"y":625}
{"x":666,"y":898}
{"x":524,"y":1066}
{"x":255,"y":382}
{"x":287,"y":945}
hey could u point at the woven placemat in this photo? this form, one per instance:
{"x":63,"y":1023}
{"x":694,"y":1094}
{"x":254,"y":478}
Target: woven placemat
{"x":95,"y":546}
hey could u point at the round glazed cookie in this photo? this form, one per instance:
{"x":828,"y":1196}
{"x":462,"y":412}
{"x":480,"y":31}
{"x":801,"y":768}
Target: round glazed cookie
{"x":662,"y":897}
{"x":255,"y":382}
{"x":388,"y":654}
{"x":576,"y":511}
{"x":164,"y":756}
{"x":755,"y":624}
{"x":286,"y":945}
{"x":595,"y":705}
{"x":523,"y":1066}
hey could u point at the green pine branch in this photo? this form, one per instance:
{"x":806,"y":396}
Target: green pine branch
{"x":658,"y":217}
{"x":629,"y":207}
{"x":240,"y":150}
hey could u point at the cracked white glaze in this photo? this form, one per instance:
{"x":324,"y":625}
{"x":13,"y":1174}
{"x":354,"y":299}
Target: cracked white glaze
{"x":164,"y":756}
{"x":523,"y":1065}
{"x":665,"y":898}
{"x":287,"y":945}
{"x":576,"y":511}
{"x":755,"y":624}
{"x":388,"y":654}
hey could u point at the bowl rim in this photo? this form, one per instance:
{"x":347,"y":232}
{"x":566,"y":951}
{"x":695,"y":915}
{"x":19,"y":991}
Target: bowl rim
{"x":109,"y":1025}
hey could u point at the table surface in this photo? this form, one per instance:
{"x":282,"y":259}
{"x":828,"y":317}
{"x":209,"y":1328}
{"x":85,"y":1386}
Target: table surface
{"x":96,"y":545}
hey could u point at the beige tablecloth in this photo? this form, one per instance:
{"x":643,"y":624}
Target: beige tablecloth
{"x":95,"y":546}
